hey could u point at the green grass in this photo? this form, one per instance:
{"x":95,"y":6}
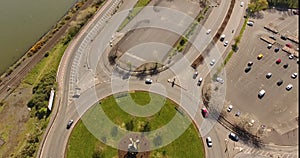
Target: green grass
{"x":136,"y":9}
{"x":46,"y":65}
{"x":83,"y":144}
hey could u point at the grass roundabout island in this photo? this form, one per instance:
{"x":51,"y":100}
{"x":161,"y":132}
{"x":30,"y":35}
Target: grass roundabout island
{"x":82,"y":143}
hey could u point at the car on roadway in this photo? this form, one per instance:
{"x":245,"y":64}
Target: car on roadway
{"x":247,"y":69}
{"x":291,"y":56}
{"x":69,"y":124}
{"x":260,"y":56}
{"x":268,"y":75}
{"x":199,"y":81}
{"x":250,"y":63}
{"x":261,"y":93}
{"x":208,"y":31}
{"x":195,"y":75}
{"x":233,"y":137}
{"x":229,"y":108}
{"x":209,"y":142}
{"x":276,"y":49}
{"x":289,"y":87}
{"x":148,"y":81}
{"x":278,"y":61}
{"x":204,"y":112}
{"x":286,"y":65}
{"x":225,"y":43}
{"x":294,"y":75}
{"x":220,"y":80}
{"x":279,"y":83}
{"x":212,"y":62}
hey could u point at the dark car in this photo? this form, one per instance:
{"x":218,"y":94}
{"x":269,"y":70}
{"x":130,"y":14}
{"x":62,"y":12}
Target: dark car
{"x":276,"y":49}
{"x":233,"y":137}
{"x":69,"y":124}
{"x":279,"y":82}
{"x":247,"y":69}
{"x":286,"y":65}
{"x":283,"y":37}
{"x":250,"y":63}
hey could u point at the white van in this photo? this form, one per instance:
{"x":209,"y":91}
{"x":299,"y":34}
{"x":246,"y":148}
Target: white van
{"x":261,"y":93}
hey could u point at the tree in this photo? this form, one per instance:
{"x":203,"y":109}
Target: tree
{"x":257,"y":5}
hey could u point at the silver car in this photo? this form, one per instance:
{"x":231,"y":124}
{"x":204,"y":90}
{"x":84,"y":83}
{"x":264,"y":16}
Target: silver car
{"x":212,"y":62}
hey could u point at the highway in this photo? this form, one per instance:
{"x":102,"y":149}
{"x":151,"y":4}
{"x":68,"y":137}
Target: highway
{"x":93,"y":77}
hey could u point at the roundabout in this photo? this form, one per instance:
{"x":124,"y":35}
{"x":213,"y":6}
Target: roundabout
{"x":187,"y":144}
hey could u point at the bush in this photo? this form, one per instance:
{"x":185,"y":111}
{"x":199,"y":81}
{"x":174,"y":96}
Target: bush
{"x":129,"y":125}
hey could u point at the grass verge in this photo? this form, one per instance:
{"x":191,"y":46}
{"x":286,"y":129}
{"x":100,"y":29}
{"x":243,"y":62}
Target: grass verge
{"x":83,"y":144}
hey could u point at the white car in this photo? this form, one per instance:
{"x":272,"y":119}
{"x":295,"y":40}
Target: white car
{"x":229,"y":108}
{"x":212,"y":62}
{"x":242,"y":4}
{"x":220,"y":80}
{"x":225,"y":43}
{"x":294,"y":75}
{"x":289,"y":87}
{"x":195,"y":75}
{"x":291,"y":56}
{"x":269,"y":75}
{"x":261,"y":93}
{"x":148,"y":81}
{"x":209,"y":142}
{"x":199,"y":81}
{"x":208,"y":31}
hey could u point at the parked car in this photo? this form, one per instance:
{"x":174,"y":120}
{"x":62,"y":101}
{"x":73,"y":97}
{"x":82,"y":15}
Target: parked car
{"x":261,"y":93}
{"x":278,"y":61}
{"x":250,"y":23}
{"x":272,"y":37}
{"x":286,"y":65}
{"x":148,"y":81}
{"x":209,"y":142}
{"x":212,"y":62}
{"x":225,"y":43}
{"x":229,"y":108}
{"x":269,"y":75}
{"x":279,"y":83}
{"x":269,"y":46}
{"x":276,"y":49}
{"x":289,"y":87}
{"x":283,"y":37}
{"x":288,"y":45}
{"x":208,"y":31}
{"x":220,"y":80}
{"x":195,"y":75}
{"x":233,"y":137}
{"x":222,"y":37}
{"x":199,"y":81}
{"x":294,"y":75}
{"x":291,"y":56}
{"x":204,"y":112}
{"x":237,"y":113}
{"x":69,"y":124}
{"x":242,"y":4}
{"x":247,"y":69}
{"x":250,"y":63}
{"x":260,"y":56}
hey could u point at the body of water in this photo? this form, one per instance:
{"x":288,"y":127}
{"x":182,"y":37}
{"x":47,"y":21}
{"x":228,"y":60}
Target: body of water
{"x":23,"y":22}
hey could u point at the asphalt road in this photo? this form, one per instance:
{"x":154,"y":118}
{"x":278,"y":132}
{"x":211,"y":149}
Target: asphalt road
{"x":101,"y":75}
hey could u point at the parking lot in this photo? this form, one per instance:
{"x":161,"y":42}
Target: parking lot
{"x":278,"y":108}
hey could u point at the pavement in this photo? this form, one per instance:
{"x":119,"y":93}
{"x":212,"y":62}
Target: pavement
{"x":91,"y":77}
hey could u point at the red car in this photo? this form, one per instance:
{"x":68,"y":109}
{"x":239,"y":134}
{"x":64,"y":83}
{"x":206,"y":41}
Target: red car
{"x":278,"y":61}
{"x":288,"y":45}
{"x":204,"y":112}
